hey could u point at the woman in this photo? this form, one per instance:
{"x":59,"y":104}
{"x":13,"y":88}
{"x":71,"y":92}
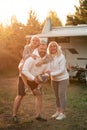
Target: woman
{"x":59,"y":78}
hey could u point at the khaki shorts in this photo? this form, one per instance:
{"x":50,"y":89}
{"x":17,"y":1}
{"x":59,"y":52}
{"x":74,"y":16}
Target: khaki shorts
{"x":32,"y":85}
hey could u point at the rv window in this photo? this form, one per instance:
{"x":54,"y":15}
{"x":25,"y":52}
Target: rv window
{"x":72,"y":50}
{"x":81,"y":58}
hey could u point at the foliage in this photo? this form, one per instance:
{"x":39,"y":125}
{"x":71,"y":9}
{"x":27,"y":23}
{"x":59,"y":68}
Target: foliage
{"x":33,"y":25}
{"x":54,"y":18}
{"x":11,"y":45}
{"x":80,"y":16}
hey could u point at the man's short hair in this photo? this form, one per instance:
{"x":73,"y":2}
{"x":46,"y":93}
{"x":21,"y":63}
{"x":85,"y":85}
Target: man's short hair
{"x":43,"y":40}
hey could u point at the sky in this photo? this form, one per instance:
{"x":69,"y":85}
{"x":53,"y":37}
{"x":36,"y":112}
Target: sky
{"x":21,"y":8}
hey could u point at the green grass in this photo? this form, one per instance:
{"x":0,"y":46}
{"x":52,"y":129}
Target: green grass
{"x":76,"y":108}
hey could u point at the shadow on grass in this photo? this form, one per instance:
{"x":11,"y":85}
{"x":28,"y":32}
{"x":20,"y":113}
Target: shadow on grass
{"x":49,"y":125}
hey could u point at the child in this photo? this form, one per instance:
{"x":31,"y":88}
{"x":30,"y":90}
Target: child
{"x":28,"y":50}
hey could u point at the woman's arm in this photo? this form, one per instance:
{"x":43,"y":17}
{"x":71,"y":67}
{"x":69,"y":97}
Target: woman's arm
{"x":61,"y":68}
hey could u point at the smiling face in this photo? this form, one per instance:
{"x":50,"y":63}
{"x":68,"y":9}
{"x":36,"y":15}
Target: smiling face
{"x":35,"y":42}
{"x":42,"y":49}
{"x":53,"y":48}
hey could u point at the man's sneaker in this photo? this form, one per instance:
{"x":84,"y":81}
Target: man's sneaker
{"x":61,"y":116}
{"x":39,"y":118}
{"x":55,"y":115}
{"x":15,"y":119}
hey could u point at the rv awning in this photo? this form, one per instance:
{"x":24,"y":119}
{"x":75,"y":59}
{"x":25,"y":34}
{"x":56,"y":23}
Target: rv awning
{"x":48,"y":31}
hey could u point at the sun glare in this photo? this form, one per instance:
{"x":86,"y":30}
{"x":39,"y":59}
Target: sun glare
{"x":20,"y":8}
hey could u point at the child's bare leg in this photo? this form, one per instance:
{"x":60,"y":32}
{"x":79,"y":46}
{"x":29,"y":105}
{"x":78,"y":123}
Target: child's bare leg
{"x":25,"y":82}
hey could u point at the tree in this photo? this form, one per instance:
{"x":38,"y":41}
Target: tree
{"x":80,"y":16}
{"x":1,"y":34}
{"x":33,"y":25}
{"x":54,"y":18}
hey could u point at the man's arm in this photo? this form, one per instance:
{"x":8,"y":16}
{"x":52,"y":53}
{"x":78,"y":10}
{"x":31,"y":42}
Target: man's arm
{"x":26,"y":67}
{"x":45,"y":61}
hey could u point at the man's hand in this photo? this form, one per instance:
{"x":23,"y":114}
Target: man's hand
{"x":48,"y":72}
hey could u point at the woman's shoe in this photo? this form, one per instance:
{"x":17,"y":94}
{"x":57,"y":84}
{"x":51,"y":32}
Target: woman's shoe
{"x":55,"y":115}
{"x":61,"y":116}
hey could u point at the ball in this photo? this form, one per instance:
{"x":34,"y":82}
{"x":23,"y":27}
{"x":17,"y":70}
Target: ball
{"x":43,"y":77}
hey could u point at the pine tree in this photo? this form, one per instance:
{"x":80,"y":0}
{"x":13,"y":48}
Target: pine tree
{"x":80,"y":16}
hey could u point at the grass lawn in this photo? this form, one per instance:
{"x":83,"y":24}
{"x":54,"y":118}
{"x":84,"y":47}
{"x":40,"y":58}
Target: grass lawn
{"x":76,"y":111}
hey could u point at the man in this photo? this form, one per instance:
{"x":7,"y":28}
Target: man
{"x":28,"y":50}
{"x":30,"y":71}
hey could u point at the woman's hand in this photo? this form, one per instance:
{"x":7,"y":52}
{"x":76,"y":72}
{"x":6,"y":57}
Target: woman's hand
{"x":34,"y":56}
{"x":39,"y":63}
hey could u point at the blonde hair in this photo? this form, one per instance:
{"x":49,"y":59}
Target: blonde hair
{"x":35,"y":36}
{"x":59,"y":51}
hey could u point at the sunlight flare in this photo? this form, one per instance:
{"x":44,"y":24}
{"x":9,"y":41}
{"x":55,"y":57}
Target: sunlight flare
{"x":21,"y":9}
